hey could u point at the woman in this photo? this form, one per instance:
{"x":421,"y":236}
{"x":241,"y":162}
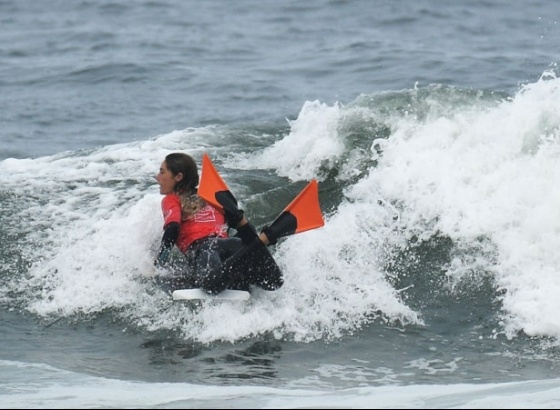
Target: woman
{"x":200,"y":231}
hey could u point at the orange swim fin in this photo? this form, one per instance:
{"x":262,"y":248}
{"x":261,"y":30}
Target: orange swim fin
{"x":212,"y":187}
{"x":302,"y":214}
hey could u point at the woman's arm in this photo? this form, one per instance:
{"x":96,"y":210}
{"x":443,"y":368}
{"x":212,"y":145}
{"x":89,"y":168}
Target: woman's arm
{"x":170,"y":235}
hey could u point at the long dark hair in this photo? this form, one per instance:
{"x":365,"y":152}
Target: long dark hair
{"x":186,"y":188}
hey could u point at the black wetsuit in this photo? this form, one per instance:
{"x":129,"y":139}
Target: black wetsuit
{"x":215,"y":264}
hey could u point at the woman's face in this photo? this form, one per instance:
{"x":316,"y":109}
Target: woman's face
{"x":167,"y":180}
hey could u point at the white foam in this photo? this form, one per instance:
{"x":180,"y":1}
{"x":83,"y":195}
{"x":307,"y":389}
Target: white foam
{"x":92,"y":220}
{"x":489,"y":172}
{"x":42,"y":386}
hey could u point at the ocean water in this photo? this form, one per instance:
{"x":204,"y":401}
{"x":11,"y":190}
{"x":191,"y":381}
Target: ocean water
{"x":432,"y":127}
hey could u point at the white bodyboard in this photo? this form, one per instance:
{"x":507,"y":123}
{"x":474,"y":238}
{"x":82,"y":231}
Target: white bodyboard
{"x":198,"y":294}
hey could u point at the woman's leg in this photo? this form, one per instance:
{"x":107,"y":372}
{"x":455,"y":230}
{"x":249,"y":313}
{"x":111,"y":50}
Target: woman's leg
{"x":250,"y":264}
{"x":205,"y":260}
{"x":232,"y":263}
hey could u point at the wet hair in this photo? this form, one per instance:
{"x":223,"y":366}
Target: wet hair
{"x":186,"y":188}
{"x":179,"y":163}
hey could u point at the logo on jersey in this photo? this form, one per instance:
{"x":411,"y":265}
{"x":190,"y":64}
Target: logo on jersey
{"x":206,"y":214}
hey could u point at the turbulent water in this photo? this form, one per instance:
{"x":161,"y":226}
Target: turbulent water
{"x":433,"y":130}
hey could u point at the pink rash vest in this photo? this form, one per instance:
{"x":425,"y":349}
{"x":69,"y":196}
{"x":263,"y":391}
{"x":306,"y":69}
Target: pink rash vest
{"x":206,"y":222}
